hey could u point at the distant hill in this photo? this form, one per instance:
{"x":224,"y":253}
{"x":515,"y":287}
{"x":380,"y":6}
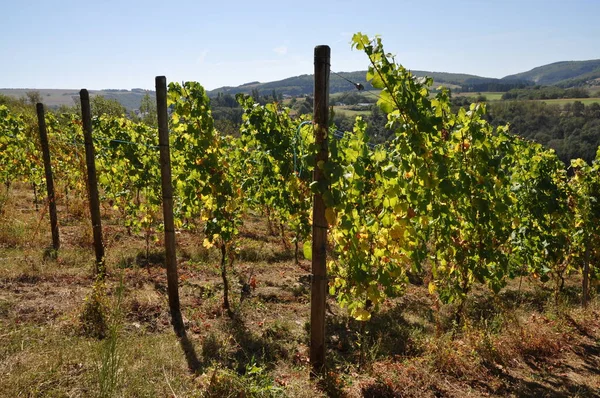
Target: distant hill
{"x":564,"y":74}
{"x":53,"y":98}
{"x":303,"y":84}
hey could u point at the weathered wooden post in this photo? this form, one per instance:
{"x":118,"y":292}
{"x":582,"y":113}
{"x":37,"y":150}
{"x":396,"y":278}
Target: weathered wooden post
{"x":94,"y":200}
{"x":319,"y":230}
{"x":49,"y":179}
{"x":167,"y":195}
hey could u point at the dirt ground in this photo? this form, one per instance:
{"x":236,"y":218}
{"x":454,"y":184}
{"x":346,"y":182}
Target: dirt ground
{"x":519,"y":343}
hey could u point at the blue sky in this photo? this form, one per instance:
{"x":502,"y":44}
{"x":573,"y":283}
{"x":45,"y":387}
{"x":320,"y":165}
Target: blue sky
{"x":125,"y":44}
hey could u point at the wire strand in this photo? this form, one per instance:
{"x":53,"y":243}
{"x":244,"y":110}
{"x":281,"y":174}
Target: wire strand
{"x":360,"y":87}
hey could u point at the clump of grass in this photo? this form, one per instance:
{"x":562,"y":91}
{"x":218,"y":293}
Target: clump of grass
{"x":13,"y":232}
{"x":5,"y":306}
{"x":454,"y":357}
{"x":255,"y":382}
{"x":278,"y":331}
{"x":78,"y":208}
{"x":3,"y":200}
{"x":253,"y":251}
{"x":147,"y":258}
{"x":93,"y":319}
{"x":410,"y":378}
{"x":537,"y":338}
{"x":256,"y":251}
{"x":213,"y":349}
{"x":110,"y":358}
{"x":196,"y":254}
{"x":85,"y":237}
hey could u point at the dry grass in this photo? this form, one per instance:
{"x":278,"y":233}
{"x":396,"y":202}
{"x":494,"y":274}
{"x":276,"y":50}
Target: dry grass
{"x":513,"y":344}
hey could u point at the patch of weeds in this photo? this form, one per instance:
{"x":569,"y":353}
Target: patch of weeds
{"x":254,"y":382}
{"x":212,"y":349}
{"x":5,"y":306}
{"x":256,"y":251}
{"x":13,"y":232}
{"x":110,"y":358}
{"x":485,"y":341}
{"x":84,"y":236}
{"x":537,"y":338}
{"x":255,"y":305}
{"x":93,"y":318}
{"x":453,"y":357}
{"x":74,"y":258}
{"x":370,"y":349}
{"x":395,"y":335}
{"x":3,"y":201}
{"x":251,"y":347}
{"x":146,"y":259}
{"x":412,"y":378}
{"x":332,"y":384}
{"x":482,"y":307}
{"x":197,"y":254}
{"x":125,"y":262}
{"x":570,"y":296}
{"x":205,"y":291}
{"x":259,"y":381}
{"x":145,"y":313}
{"x":281,"y":256}
{"x":208,"y":267}
{"x":299,"y":290}
{"x":378,"y":389}
{"x":540,"y":297}
{"x":277,"y":331}
{"x":78,"y":208}
{"x":50,"y":254}
{"x":253,"y":251}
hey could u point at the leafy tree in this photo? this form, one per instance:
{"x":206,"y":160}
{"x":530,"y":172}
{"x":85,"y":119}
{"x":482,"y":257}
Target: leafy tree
{"x":101,"y":105}
{"x":573,"y":130}
{"x":148,"y":110}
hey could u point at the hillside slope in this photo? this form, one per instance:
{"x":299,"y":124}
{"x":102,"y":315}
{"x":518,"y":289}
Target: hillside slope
{"x":53,"y":98}
{"x":563,"y":74}
{"x":559,"y":73}
{"x":303,"y":84}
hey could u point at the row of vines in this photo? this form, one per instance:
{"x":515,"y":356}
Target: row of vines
{"x":449,"y":196}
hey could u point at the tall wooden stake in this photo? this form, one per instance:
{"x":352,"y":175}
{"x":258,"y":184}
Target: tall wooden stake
{"x":90,"y":159}
{"x":49,"y":179}
{"x":586,"y":276}
{"x":319,"y":230}
{"x":167,"y":194}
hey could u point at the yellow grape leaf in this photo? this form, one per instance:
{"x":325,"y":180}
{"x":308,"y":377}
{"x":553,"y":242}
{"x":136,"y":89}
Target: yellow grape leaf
{"x":432,"y":288}
{"x":397,"y":231}
{"x":373,"y":294}
{"x":360,"y":314}
{"x":307,"y":250}
{"x":330,"y":216}
{"x":400,"y":208}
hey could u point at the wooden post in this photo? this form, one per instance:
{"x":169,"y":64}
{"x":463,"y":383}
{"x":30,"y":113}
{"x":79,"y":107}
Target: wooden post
{"x":49,"y":180}
{"x":90,"y":159}
{"x":167,"y":195}
{"x":35,"y":196}
{"x":586,"y":276}
{"x":319,"y":230}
